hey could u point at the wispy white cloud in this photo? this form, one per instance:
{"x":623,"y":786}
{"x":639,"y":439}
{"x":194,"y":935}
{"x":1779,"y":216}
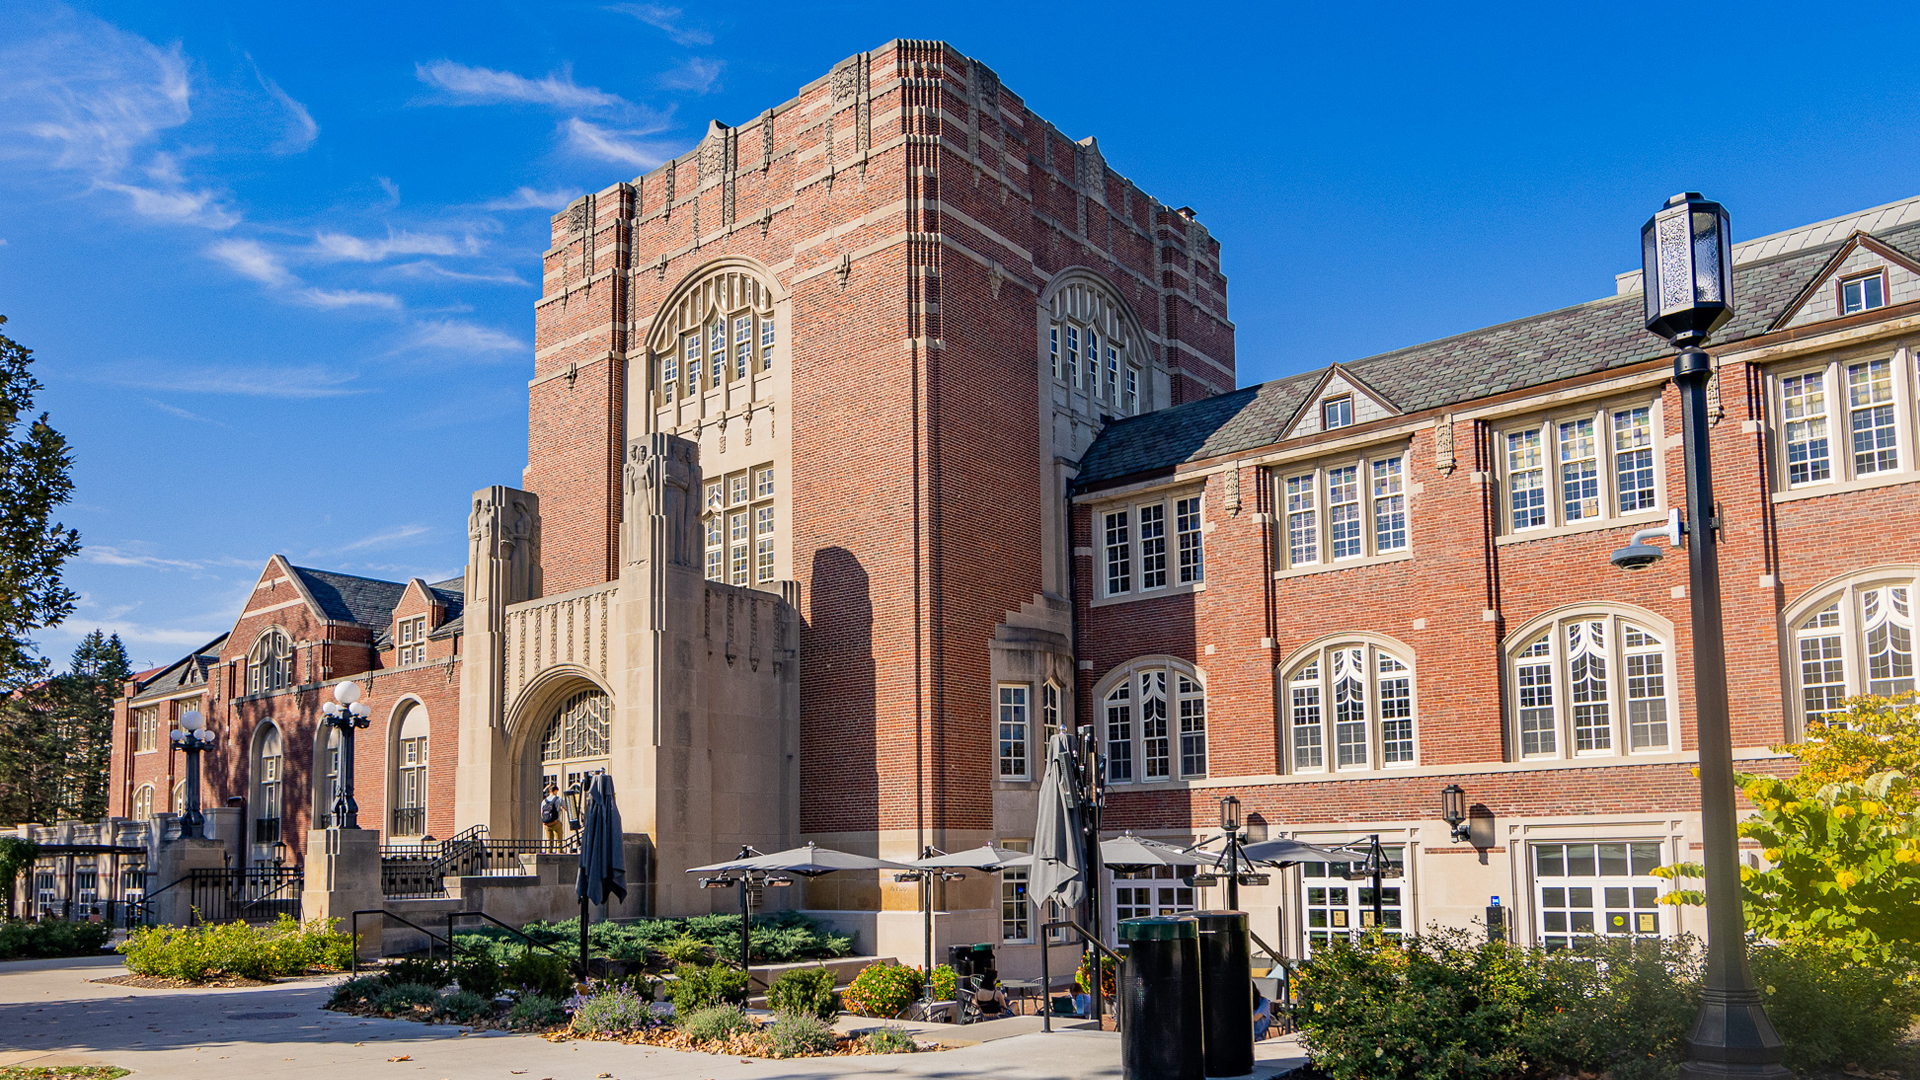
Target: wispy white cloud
{"x":106,"y":555}
{"x":392,"y":189}
{"x":428,"y":268}
{"x":265,"y":380}
{"x":452,"y":335}
{"x":346,"y":248}
{"x":460,"y":84}
{"x":346,"y":298}
{"x":395,"y":537}
{"x":698,"y":75}
{"x":252,"y":259}
{"x":526,"y":198}
{"x":626,"y":147}
{"x":301,"y":130}
{"x":175,"y":410}
{"x":667,"y":20}
{"x":85,"y":100}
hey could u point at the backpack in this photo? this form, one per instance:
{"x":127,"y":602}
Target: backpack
{"x":549,"y":810}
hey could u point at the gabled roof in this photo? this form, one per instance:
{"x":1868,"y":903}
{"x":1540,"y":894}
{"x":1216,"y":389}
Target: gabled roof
{"x":1596,"y":336}
{"x":1833,"y":264}
{"x":189,"y":670}
{"x":345,"y":598}
{"x":450,"y":594}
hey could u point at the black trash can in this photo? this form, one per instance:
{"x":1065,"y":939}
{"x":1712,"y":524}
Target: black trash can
{"x":960,"y":959}
{"x":1226,"y":992}
{"x":987,"y":970}
{"x":1160,"y":1000}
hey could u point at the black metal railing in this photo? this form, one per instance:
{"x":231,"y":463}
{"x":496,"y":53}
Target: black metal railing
{"x":409,"y":821}
{"x":254,"y":894}
{"x":1098,"y":995}
{"x":418,"y":870}
{"x":266,"y":830}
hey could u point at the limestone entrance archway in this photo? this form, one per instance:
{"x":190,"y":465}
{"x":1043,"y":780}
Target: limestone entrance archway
{"x":562,"y":732}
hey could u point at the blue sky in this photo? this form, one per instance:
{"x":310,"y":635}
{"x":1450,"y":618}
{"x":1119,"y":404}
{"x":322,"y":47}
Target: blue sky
{"x":278,"y":263}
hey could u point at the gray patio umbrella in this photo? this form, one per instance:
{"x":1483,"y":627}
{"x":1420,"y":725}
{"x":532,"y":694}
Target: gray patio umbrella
{"x":1059,"y":857}
{"x":1282,"y":852}
{"x":1130,"y":852}
{"x":984,"y":857}
{"x":603,"y":865}
{"x":809,"y":861}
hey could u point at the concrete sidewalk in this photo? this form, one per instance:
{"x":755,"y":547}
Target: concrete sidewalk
{"x":50,"y":1013}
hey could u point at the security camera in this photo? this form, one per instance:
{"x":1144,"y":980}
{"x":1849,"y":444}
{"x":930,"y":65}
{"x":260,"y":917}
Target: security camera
{"x":1638,"y":554}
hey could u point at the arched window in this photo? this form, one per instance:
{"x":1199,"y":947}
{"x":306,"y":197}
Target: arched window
{"x":1857,"y":639}
{"x":1094,"y":352}
{"x":410,"y":775}
{"x":1590,"y":684}
{"x":178,"y":799}
{"x":329,"y":777}
{"x":1155,"y":722}
{"x":270,"y":663}
{"x":720,"y":332}
{"x":1349,"y":706}
{"x":266,"y":786}
{"x":575,"y":742}
{"x":143,"y":802}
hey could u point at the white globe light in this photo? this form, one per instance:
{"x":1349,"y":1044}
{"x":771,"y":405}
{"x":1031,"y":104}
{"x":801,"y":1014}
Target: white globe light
{"x":360,"y":709}
{"x":177,"y":736}
{"x":191,"y":720}
{"x":207,"y":737}
{"x":346,"y":693}
{"x":331,"y":708}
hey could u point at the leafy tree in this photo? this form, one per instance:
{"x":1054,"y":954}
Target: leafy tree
{"x":35,"y":477}
{"x":1841,"y":839}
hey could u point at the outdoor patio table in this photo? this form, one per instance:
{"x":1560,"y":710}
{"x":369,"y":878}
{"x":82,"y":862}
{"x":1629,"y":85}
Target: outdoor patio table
{"x":1021,"y":990}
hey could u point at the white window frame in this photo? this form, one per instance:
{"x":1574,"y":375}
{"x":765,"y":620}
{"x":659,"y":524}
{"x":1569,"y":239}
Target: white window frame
{"x":268,"y":668}
{"x":1310,"y":714}
{"x":412,"y":640}
{"x":1627,"y":679}
{"x":740,"y":527}
{"x":1013,"y":731}
{"x":1013,"y":892}
{"x":1558,"y":921}
{"x":146,"y":729}
{"x":1336,"y":412}
{"x":1344,"y":906}
{"x":1158,"y":705}
{"x":1154,"y":891}
{"x":1840,"y":297}
{"x":1610,"y":447}
{"x":1380,"y":494}
{"x":1852,"y":627}
{"x":142,"y":807}
{"x":1834,"y":379}
{"x":1160,"y":540}
{"x":1093,"y":351}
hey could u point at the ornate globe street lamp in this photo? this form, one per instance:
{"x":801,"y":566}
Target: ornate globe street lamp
{"x":1687,"y":270}
{"x":346,"y":713}
{"x":191,"y":738}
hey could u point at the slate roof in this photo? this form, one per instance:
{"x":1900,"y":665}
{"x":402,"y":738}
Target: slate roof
{"x":1534,"y":351}
{"x":189,"y":670}
{"x":343,"y":597}
{"x":452,"y":594}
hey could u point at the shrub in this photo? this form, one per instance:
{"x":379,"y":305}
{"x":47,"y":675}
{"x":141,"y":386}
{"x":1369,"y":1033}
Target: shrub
{"x":236,"y":949}
{"x":695,"y":988}
{"x":419,"y":969}
{"x":800,"y":1035}
{"x":536,"y":973}
{"x":687,"y":949}
{"x":357,"y":992}
{"x":30,"y":940}
{"x":804,"y":992}
{"x":943,"y":983}
{"x":399,"y":999}
{"x":892,"y":1040}
{"x":615,"y":1010}
{"x":1833,"y":1012}
{"x":1618,"y":1006}
{"x":1109,"y":976}
{"x":715,"y":1022}
{"x":779,"y":938}
{"x":478,"y":974}
{"x":883,"y":990}
{"x":535,"y":1011}
{"x":465,"y":1007}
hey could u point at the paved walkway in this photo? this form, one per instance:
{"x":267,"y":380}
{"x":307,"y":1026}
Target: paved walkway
{"x":51,"y":1013}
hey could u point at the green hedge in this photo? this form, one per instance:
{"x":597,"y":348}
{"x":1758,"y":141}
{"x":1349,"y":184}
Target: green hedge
{"x":31,"y":940}
{"x":782,"y":938}
{"x":1451,"y":1006}
{"x":196,"y":953}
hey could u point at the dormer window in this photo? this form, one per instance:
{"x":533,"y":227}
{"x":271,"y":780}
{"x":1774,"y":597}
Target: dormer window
{"x":413,"y":640}
{"x":1863,"y":293}
{"x":1336,"y":412}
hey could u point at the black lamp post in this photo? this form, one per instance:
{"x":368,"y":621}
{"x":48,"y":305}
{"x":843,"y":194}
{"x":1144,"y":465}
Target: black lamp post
{"x":1687,"y":271}
{"x":1230,"y":823}
{"x":192,"y":738}
{"x":1453,"y":811}
{"x":346,"y":713}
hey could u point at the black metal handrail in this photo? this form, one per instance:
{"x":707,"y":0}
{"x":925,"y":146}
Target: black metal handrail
{"x":1285,"y":1007}
{"x":1046,"y":974}
{"x":409,"y":820}
{"x":517,"y":932}
{"x":354,"y":921}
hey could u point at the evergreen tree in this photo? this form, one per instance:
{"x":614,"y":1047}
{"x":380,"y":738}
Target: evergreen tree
{"x":29,"y":754}
{"x":83,"y":722}
{"x":35,"y":478}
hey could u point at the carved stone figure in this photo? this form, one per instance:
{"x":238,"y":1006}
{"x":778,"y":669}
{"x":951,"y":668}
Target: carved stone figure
{"x":662,"y":501}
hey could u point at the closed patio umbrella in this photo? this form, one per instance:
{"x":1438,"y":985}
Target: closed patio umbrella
{"x":1059,"y":857}
{"x":603,"y":865}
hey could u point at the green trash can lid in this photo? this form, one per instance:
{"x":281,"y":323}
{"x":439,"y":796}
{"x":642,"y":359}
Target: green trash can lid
{"x":1217,"y":919}
{"x":1159,"y":928}
{"x":983,"y":947}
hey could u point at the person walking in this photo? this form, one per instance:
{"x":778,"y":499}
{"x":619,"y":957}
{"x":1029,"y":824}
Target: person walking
{"x":551,"y":809}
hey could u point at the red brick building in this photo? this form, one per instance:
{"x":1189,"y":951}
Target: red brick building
{"x":1406,"y":585}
